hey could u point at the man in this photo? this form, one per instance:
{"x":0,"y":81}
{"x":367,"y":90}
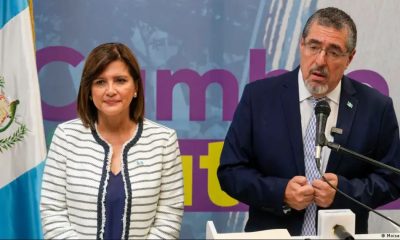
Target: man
{"x":266,"y":161}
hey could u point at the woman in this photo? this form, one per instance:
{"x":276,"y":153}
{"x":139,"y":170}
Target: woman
{"x":111,"y":173}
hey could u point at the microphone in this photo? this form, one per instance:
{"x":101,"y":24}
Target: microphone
{"x":341,"y":232}
{"x":322,"y":111}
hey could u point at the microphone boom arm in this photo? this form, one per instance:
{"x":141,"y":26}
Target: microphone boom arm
{"x":338,"y":148}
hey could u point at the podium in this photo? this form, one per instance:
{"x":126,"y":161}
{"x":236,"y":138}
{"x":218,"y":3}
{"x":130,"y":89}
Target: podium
{"x":211,"y":233}
{"x":326,"y":220}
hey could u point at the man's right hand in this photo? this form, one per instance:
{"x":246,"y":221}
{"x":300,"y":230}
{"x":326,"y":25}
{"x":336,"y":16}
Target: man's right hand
{"x":298,"y":193}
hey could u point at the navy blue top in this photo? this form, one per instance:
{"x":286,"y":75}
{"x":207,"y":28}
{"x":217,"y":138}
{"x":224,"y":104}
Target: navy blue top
{"x":115,"y":201}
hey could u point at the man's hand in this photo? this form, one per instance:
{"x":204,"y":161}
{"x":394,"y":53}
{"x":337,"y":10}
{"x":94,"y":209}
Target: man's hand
{"x":298,"y":193}
{"x":323,"y":193}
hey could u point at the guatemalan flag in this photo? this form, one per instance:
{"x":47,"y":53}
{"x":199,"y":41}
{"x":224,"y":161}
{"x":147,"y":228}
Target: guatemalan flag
{"x":22,"y":141}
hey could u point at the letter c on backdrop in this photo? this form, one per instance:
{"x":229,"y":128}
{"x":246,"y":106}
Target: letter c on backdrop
{"x":47,"y":55}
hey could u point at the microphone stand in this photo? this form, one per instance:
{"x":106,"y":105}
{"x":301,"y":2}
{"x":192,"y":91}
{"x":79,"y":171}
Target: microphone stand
{"x":338,"y":148}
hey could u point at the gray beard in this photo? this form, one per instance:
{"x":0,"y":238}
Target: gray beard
{"x":317,"y":90}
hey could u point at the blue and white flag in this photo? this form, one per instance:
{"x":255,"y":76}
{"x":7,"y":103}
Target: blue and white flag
{"x":22,"y":141}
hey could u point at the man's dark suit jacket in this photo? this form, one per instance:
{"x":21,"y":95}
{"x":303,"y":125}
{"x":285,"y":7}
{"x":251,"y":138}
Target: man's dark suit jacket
{"x":263,"y":150}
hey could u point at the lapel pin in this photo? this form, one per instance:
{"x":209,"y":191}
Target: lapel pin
{"x":349,"y":104}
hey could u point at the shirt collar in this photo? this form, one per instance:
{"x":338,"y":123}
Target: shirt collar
{"x":304,"y":94}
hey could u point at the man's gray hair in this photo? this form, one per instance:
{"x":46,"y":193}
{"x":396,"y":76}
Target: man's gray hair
{"x":336,"y":18}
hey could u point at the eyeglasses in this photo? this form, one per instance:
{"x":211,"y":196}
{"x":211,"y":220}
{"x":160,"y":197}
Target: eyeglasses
{"x":313,"y":49}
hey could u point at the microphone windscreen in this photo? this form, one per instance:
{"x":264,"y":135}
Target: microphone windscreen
{"x":323,"y":107}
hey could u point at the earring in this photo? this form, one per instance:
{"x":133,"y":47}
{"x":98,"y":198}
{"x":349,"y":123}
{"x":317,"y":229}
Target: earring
{"x":135,"y":95}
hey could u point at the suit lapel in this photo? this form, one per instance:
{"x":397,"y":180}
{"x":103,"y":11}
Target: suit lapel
{"x":347,"y":110}
{"x":291,"y":110}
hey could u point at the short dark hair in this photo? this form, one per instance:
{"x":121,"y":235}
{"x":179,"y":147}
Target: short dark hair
{"x":336,"y":18}
{"x":97,"y":61}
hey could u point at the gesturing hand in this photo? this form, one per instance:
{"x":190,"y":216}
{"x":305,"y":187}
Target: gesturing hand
{"x":323,"y":193}
{"x":298,"y":193}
